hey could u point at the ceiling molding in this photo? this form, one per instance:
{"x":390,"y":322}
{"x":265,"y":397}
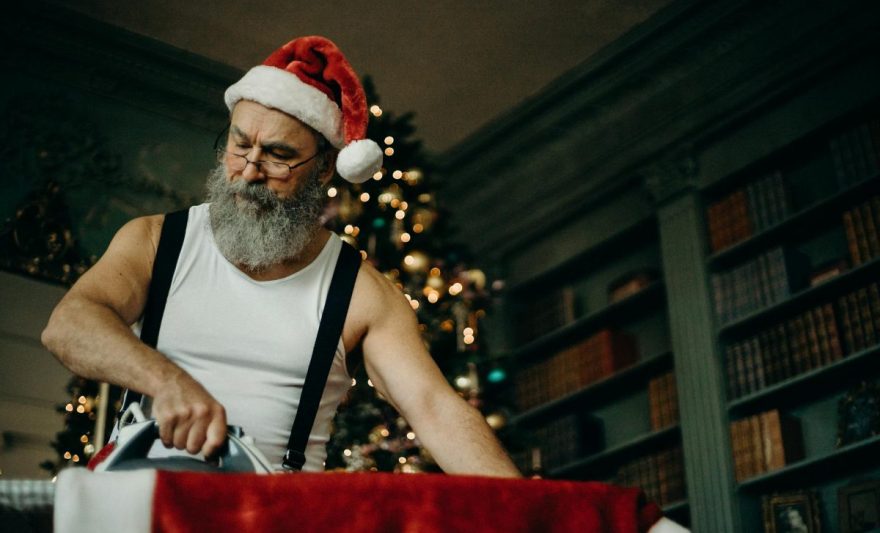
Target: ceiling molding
{"x":52,"y":42}
{"x":677,"y":82}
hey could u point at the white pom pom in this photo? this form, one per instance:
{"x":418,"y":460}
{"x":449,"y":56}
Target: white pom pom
{"x":359,"y":160}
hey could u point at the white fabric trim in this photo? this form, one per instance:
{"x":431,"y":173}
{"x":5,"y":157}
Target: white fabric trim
{"x":665,"y":525}
{"x":86,"y":502}
{"x":276,"y":88}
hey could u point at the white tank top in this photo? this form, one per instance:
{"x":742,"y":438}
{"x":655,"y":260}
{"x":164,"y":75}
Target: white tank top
{"x":249,"y":342}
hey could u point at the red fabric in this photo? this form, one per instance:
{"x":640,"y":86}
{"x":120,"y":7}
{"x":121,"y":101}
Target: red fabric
{"x":424,"y":503}
{"x":318,"y":62}
{"x":99,"y":457}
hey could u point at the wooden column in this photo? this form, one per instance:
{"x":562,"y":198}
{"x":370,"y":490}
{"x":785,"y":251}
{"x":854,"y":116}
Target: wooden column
{"x":698,"y":370}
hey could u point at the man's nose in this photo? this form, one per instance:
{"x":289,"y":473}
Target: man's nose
{"x":252,"y":170}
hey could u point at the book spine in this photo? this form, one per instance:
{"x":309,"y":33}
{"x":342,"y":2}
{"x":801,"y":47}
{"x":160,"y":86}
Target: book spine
{"x":756,"y":447}
{"x":861,"y":236}
{"x":867,"y":320}
{"x":781,"y":196}
{"x":813,"y":340}
{"x":771,"y":361}
{"x":732,"y":374}
{"x":737,"y":444}
{"x":760,"y":364}
{"x":834,"y":342}
{"x":873,"y":244}
{"x":851,"y":240}
{"x":846,"y":326}
{"x":752,"y":193}
{"x":785,"y":356}
{"x":874,"y":299}
{"x":856,"y":320}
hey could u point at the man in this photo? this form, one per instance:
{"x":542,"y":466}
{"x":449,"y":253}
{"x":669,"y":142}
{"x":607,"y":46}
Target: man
{"x":250,"y":284}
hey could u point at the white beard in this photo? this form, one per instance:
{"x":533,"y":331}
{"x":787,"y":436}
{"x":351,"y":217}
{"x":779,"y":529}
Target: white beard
{"x":255,"y":229}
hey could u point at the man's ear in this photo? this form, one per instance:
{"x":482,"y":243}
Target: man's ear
{"x":329,"y":168}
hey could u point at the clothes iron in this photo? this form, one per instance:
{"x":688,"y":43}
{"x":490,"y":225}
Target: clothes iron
{"x":138,"y":434}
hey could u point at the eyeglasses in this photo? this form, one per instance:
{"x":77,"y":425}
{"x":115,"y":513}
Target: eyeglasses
{"x":272,"y":169}
{"x":238,"y":162}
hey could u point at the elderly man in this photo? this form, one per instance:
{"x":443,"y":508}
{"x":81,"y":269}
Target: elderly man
{"x":250,"y":284}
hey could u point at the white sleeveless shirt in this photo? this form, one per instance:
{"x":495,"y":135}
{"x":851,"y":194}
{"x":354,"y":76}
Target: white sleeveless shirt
{"x":249,"y":342}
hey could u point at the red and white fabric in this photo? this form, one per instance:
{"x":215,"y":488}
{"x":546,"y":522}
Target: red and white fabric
{"x":157,"y":501}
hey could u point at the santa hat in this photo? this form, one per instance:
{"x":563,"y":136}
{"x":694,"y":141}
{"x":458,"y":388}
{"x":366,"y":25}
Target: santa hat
{"x":310,"y":79}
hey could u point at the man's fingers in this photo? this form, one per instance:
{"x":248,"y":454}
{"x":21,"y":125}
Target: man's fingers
{"x":197,"y":436}
{"x":216,"y":435}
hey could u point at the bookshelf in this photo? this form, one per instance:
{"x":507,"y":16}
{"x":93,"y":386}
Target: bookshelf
{"x":705,"y":106}
{"x":684,"y":299}
{"x":830,"y":344}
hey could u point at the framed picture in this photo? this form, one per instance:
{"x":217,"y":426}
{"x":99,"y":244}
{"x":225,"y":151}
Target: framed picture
{"x":859,"y":414}
{"x":859,"y":507}
{"x":796,"y":512}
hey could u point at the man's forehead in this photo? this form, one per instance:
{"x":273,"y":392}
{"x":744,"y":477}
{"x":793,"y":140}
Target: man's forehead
{"x":251,"y":118}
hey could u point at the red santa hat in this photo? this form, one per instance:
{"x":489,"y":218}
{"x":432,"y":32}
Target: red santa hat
{"x":310,"y":79}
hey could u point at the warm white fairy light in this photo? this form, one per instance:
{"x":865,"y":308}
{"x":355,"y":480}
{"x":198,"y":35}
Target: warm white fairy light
{"x":384,"y":432}
{"x":389,"y":151}
{"x":397,"y":174}
{"x":378,"y":175}
{"x":376,"y":110}
{"x":405,"y":237}
{"x":400,"y":214}
{"x":389,"y":140}
{"x":401,"y":460}
{"x":414,"y":304}
{"x":349,"y":229}
{"x":433,"y":296}
{"x":332,"y":192}
{"x":354,"y":382}
{"x":469,"y":339}
{"x":418,"y":228}
{"x":468,"y":331}
{"x":411,"y":436}
{"x":346,"y":452}
{"x":365,"y":197}
{"x":404,"y":206}
{"x":370,"y":383}
{"x":455,"y":288}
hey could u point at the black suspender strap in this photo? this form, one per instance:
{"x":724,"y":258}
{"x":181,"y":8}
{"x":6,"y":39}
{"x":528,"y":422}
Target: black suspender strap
{"x":170,"y":242}
{"x":329,"y":332}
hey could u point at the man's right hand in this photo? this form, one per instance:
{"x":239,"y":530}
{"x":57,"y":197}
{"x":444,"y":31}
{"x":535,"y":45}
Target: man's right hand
{"x":189,"y":417}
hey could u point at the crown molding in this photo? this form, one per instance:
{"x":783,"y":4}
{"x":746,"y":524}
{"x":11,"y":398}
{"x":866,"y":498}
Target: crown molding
{"x":677,"y":82}
{"x":54,"y":43}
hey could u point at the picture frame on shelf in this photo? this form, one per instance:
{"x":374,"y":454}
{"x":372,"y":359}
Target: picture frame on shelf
{"x":859,"y":507}
{"x":858,"y":413}
{"x":793,"y":512}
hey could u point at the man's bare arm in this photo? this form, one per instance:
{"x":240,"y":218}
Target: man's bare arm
{"x":89,"y":332}
{"x":402,"y":370}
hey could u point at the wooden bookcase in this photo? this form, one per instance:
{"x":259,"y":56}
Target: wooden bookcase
{"x":820,"y":192}
{"x":814,"y":227}
{"x":619,"y":402}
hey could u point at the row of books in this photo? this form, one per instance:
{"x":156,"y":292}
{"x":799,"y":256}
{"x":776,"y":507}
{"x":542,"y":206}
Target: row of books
{"x":765,"y":442}
{"x":860,"y":318}
{"x":560,"y":442}
{"x":660,"y":475}
{"x":856,"y":153}
{"x":769,"y":278}
{"x":757,"y":206}
{"x":663,"y":399}
{"x":545,"y":313}
{"x":575,"y":367}
{"x":805,"y":342}
{"x":860,"y":224}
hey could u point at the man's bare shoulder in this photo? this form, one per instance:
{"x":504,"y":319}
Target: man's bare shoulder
{"x":375,"y":295}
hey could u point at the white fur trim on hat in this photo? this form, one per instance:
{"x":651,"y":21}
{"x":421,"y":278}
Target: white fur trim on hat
{"x":358,"y":161}
{"x":284,"y":91}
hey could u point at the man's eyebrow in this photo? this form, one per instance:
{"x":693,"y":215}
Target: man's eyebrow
{"x":272,"y":146}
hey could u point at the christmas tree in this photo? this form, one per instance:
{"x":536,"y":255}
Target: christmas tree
{"x":395,"y":221}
